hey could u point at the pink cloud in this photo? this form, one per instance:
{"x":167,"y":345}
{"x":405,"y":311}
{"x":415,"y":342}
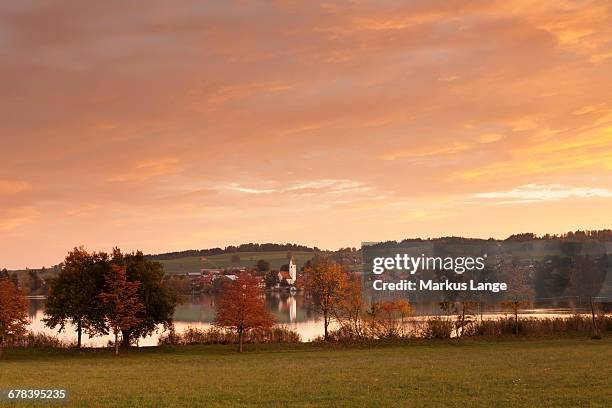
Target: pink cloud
{"x":175,"y":127}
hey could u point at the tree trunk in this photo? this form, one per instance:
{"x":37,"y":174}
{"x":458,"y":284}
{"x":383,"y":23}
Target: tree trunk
{"x":125,"y":338}
{"x":462,"y":318}
{"x":240,"y":336}
{"x":117,"y":343}
{"x":79,"y":333}
{"x":325,"y":324}
{"x":594,"y":320}
{"x":516,"y":318}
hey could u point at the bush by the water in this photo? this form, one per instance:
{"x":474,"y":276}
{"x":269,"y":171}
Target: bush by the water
{"x":446,"y":327}
{"x":38,"y":340}
{"x":215,"y":335}
{"x":532,"y":326}
{"x":437,"y":328}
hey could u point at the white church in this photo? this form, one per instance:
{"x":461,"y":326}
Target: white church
{"x":291,"y":275}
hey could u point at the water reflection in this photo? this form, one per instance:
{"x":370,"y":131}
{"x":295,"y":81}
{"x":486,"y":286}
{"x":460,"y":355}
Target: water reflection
{"x":290,"y":310}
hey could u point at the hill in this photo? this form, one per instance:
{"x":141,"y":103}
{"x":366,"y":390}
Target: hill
{"x":246,"y":259}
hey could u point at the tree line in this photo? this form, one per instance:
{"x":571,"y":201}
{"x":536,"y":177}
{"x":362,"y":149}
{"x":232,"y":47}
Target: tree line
{"x":242,"y":307}
{"x":251,"y":247}
{"x":333,"y":292}
{"x":125,"y":295}
{"x":604,"y":235}
{"x":100,"y":293}
{"x":336,"y":294}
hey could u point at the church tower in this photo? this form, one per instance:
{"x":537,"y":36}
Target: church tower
{"x":292,"y":270}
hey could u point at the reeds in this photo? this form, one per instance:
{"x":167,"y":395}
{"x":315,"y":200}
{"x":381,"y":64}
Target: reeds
{"x":38,"y":340}
{"x":446,"y":327}
{"x":215,"y":335}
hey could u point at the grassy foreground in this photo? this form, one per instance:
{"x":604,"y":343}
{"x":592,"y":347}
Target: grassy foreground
{"x":506,"y":373}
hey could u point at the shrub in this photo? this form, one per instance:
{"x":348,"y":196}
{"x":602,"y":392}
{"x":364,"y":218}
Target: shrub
{"x":344,"y":334}
{"x":437,"y":328}
{"x":531,"y":326}
{"x":39,"y":340}
{"x":215,"y":335}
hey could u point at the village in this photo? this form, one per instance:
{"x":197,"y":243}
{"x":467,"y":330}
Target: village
{"x":208,"y":280}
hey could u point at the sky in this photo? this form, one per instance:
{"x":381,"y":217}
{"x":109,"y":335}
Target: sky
{"x":203,"y":124}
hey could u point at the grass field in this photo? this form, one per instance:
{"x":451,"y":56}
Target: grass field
{"x":194,"y":263}
{"x":507,"y":373}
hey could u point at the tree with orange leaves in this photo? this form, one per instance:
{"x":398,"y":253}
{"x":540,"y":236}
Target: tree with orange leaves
{"x":326,"y":282}
{"x":387,"y":318}
{"x":121,"y":302}
{"x":13,"y":311}
{"x":351,"y":310}
{"x":242,"y":307}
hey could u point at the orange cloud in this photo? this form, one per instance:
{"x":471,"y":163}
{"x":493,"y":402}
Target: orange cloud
{"x":8,"y":187}
{"x":13,"y":219}
{"x":327,"y":124}
{"x":147,"y":169}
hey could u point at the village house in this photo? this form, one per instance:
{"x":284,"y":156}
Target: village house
{"x":261,"y":282}
{"x":211,"y":271}
{"x":289,"y":276}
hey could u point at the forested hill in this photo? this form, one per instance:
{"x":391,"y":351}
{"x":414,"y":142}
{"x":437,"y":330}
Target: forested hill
{"x":268,"y":247}
{"x":604,"y":235}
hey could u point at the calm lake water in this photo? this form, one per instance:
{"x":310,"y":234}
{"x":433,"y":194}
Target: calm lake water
{"x":291,"y":311}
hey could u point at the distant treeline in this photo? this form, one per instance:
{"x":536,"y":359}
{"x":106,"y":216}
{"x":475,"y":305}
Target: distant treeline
{"x":268,"y":247}
{"x":604,"y":235}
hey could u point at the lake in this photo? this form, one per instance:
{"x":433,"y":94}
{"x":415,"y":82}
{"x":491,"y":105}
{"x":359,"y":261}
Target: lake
{"x":290,"y":310}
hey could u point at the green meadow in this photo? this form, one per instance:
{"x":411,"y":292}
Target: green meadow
{"x":248,"y":259}
{"x":471,"y":373}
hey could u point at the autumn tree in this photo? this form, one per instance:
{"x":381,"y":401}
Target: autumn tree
{"x":271,"y":279}
{"x":12,"y":276}
{"x":326,"y":283}
{"x":465,"y":316}
{"x":588,"y":275}
{"x":387,"y":318}
{"x":262,"y":266}
{"x":242,"y":308}
{"x":73,"y":293}
{"x":13,"y":311}
{"x":350,"y":312}
{"x":121,"y":303}
{"x":35,"y":281}
{"x":15,"y":278}
{"x":520,"y":292}
{"x":158,"y":298}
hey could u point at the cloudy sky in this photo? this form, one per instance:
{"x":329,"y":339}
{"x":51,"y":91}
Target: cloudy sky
{"x":200,"y":124}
